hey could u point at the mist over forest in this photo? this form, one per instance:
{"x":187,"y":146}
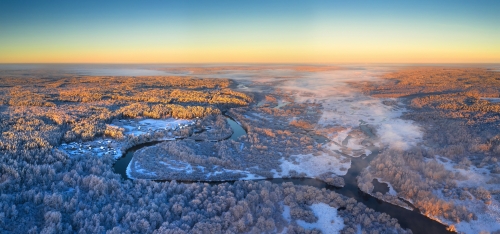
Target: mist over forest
{"x":423,"y":141}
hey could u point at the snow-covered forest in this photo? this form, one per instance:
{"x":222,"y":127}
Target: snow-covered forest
{"x":46,"y":189}
{"x":61,"y":135}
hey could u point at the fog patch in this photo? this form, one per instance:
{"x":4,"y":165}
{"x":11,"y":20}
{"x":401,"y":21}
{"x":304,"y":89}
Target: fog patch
{"x":312,"y":166}
{"x":399,"y":134}
{"x":344,"y":105}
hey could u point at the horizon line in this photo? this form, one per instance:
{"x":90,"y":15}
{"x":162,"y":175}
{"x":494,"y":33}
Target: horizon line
{"x":251,"y":63}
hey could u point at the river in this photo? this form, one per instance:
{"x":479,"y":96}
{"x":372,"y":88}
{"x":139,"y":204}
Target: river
{"x":413,"y":220}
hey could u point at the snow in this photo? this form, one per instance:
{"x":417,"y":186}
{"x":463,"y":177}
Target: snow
{"x":251,"y":176}
{"x":220,"y":170}
{"x":176,"y":165}
{"x":355,"y":143}
{"x":138,"y":127}
{"x":391,"y":131}
{"x":488,"y":216}
{"x":399,"y":134}
{"x":281,"y":104}
{"x":286,"y":213}
{"x":141,"y":170}
{"x":240,"y":86}
{"x":101,"y":146}
{"x":473,"y":176}
{"x":258,"y":116}
{"x":492,"y":100}
{"x":261,"y":103}
{"x":347,"y":143}
{"x":171,"y":165}
{"x":391,"y":189}
{"x":127,"y":127}
{"x":129,"y":170}
{"x":343,"y":105}
{"x":311,"y":165}
{"x":328,"y":220}
{"x":169,"y":123}
{"x":145,"y":172}
{"x":96,"y":147}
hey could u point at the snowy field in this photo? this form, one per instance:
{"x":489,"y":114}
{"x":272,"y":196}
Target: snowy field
{"x":328,"y":220}
{"x":488,"y":215}
{"x":97,"y":147}
{"x":143,"y":126}
{"x":312,"y":166}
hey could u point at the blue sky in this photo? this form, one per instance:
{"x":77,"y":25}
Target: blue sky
{"x":249,"y":31}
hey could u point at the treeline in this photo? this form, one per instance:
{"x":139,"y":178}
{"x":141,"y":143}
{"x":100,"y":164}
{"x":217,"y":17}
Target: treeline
{"x":436,"y":80}
{"x":223,"y":69}
{"x":51,"y":91}
{"x":457,"y":102}
{"x":224,"y":96}
{"x":166,"y":110}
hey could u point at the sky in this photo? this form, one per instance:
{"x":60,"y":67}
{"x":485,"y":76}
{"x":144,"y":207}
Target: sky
{"x":249,"y":31}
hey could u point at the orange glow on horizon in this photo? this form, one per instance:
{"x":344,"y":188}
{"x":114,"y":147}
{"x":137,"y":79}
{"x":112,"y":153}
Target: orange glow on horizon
{"x":276,"y":55}
{"x":242,"y":32}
